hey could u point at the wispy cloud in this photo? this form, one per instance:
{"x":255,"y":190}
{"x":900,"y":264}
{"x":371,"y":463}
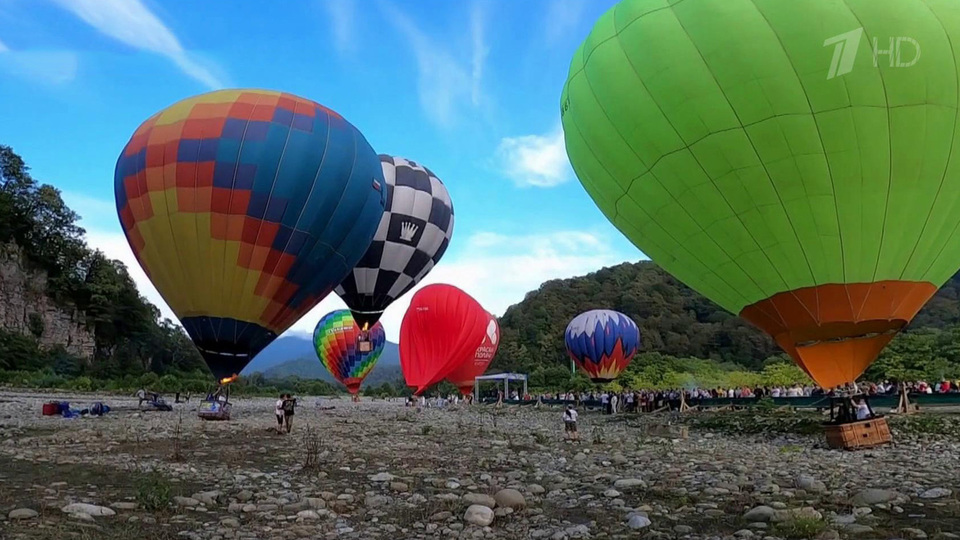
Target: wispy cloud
{"x":535,"y":160}
{"x":343,"y":14}
{"x":480,"y":52}
{"x":562,"y":17}
{"x":132,"y":23}
{"x":45,"y":67}
{"x":446,"y":86}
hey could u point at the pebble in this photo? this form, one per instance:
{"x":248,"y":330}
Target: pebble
{"x":22,"y":513}
{"x":188,"y":502}
{"x":510,"y":498}
{"x":871,"y":496}
{"x":478,"y":515}
{"x":760,"y":513}
{"x":480,"y":499}
{"x":629,"y":483}
{"x":90,"y":510}
{"x":936,"y":493}
{"x":638,"y":522}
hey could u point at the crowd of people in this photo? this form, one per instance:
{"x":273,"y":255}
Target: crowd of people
{"x":651,"y":400}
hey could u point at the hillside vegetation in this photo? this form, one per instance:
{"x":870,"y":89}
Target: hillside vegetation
{"x":130,"y":338}
{"x":688,"y":340}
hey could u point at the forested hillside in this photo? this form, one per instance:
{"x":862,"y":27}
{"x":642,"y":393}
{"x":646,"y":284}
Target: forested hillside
{"x":43,"y":242}
{"x":677,"y":322}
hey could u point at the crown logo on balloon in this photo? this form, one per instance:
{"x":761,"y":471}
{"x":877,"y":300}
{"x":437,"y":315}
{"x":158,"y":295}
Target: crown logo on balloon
{"x":408,"y":230}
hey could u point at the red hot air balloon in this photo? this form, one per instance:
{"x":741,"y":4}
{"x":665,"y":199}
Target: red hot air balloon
{"x":465,"y":375}
{"x":440,"y":331}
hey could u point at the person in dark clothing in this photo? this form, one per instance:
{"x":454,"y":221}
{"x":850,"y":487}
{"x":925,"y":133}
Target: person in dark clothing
{"x":289,"y":406}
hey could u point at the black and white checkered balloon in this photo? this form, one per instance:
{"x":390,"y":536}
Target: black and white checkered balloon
{"x":414,"y":232}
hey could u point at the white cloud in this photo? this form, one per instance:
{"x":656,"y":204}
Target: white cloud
{"x":444,"y":85}
{"x":498,"y":271}
{"x":3,"y":47}
{"x":535,"y":160}
{"x":562,"y":17}
{"x":47,"y":67}
{"x":132,"y":23}
{"x":480,"y":52}
{"x":343,"y":14}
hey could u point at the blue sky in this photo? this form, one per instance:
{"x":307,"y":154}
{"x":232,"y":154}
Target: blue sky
{"x":469,"y":88}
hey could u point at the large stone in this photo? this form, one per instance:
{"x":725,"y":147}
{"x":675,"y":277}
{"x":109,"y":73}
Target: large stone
{"x":22,"y":513}
{"x":760,"y":514}
{"x":308,"y":515}
{"x":382,"y":477}
{"x":375,"y":501}
{"x":89,"y":509}
{"x":188,"y":502}
{"x":638,"y":521}
{"x":873,"y":496}
{"x":478,"y":515}
{"x":510,"y":498}
{"x":480,"y":498}
{"x":208,"y":498}
{"x":629,"y":483}
{"x":811,"y":484}
{"x":936,"y":493}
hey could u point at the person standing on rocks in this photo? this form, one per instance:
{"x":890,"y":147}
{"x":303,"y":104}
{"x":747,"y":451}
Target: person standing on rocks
{"x":570,"y":424}
{"x":289,"y":404}
{"x":278,"y":410}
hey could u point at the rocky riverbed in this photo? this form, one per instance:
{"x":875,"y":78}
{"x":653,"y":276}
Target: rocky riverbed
{"x":379,"y":470}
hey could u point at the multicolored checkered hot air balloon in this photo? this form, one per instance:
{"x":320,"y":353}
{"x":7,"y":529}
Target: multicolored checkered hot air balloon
{"x":602,"y":342}
{"x":246,"y":208}
{"x":336,"y":341}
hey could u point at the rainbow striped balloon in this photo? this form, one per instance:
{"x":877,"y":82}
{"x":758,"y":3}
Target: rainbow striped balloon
{"x":335,"y":340}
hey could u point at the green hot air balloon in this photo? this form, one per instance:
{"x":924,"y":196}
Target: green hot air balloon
{"x":796,"y":162}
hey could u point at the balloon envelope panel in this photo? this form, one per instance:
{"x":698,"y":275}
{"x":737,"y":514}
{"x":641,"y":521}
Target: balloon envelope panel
{"x":602,"y":342}
{"x":464,"y":376}
{"x":441,"y":330}
{"x":414,"y":233}
{"x":335,"y":339}
{"x":776,"y":169}
{"x":245,"y":208}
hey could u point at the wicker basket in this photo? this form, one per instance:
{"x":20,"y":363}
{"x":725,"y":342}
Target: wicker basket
{"x":862,"y":434}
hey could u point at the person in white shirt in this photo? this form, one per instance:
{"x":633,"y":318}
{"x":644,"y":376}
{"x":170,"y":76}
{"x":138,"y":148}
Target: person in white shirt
{"x":279,"y":412}
{"x":605,"y":402}
{"x":863,"y":411}
{"x":570,"y":424}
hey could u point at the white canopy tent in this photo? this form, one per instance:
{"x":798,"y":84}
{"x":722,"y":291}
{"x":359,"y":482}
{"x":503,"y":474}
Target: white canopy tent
{"x":505,"y":377}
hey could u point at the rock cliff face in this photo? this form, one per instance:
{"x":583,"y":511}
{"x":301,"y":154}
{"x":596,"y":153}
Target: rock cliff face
{"x":25,"y":308}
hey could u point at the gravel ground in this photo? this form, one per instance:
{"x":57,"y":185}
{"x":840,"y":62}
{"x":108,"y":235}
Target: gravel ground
{"x":379,"y":470}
